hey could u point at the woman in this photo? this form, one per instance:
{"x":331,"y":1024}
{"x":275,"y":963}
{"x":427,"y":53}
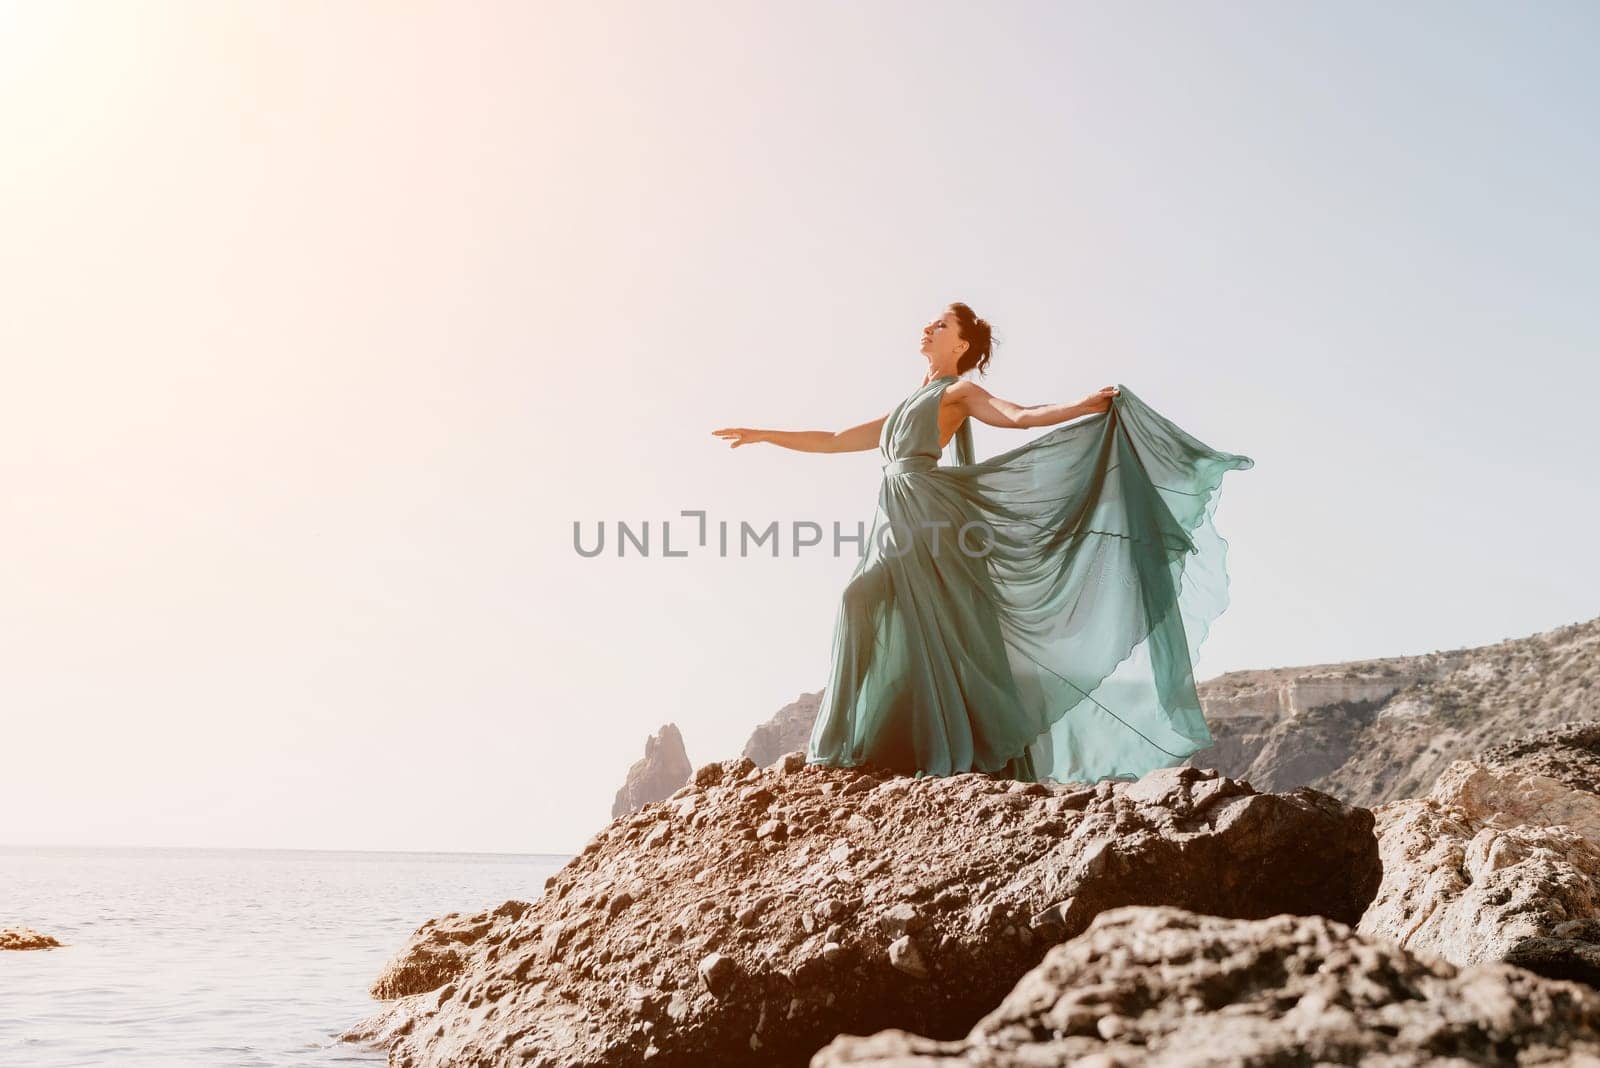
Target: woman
{"x":1036,"y":615}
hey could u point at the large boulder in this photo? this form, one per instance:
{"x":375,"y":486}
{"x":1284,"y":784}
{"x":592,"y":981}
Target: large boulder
{"x":664,"y":768}
{"x":1501,"y":861}
{"x":760,"y":912}
{"x":1160,"y":986}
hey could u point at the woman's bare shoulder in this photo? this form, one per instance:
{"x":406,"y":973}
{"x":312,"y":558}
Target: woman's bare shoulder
{"x":964,"y":391}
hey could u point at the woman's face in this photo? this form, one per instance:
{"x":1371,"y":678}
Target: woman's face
{"x":941,"y":340}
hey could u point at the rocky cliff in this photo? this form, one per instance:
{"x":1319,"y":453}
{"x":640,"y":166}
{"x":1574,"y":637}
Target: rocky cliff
{"x":759,"y":916}
{"x":787,"y":731}
{"x":1378,"y":730}
{"x":664,"y":768}
{"x":759,"y":912}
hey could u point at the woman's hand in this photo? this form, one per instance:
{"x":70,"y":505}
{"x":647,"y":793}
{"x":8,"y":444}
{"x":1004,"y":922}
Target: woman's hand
{"x":740,"y":435}
{"x":1100,"y":401}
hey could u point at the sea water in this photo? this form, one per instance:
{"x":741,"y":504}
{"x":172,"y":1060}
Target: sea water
{"x":219,"y":958}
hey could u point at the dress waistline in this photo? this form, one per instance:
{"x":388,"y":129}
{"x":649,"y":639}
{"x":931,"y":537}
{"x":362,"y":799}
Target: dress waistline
{"x":909,"y":463}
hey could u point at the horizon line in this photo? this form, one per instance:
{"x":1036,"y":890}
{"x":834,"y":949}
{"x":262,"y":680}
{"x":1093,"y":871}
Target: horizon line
{"x":7,"y":846}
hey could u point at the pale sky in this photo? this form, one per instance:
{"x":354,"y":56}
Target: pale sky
{"x":323,"y":323}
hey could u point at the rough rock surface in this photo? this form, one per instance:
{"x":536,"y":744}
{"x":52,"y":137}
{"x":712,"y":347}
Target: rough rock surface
{"x":1569,"y":754}
{"x":1160,"y":986}
{"x":1380,"y":730}
{"x":25,"y":938}
{"x":437,"y":951}
{"x":1501,"y":861}
{"x":787,"y":731}
{"x":758,"y":913}
{"x":664,"y":768}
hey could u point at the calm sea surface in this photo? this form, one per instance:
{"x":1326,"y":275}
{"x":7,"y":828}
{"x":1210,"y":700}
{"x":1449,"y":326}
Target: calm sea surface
{"x":220,"y":958}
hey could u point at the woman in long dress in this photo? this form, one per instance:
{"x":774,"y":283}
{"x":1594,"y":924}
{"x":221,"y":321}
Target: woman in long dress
{"x":1035,"y":615}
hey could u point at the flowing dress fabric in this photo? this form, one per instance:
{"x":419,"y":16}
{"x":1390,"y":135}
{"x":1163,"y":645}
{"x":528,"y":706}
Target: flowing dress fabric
{"x":1037,"y":614}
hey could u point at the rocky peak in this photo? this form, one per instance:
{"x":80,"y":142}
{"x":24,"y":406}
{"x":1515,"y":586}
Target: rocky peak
{"x":664,"y":768}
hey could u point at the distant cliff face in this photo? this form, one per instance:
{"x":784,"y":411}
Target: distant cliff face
{"x":664,"y":768}
{"x":786,"y":732}
{"x":1378,"y":730}
{"x":665,"y":765}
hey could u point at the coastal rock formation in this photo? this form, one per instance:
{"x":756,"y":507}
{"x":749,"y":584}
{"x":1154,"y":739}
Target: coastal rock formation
{"x":25,"y":938}
{"x":437,"y":951}
{"x":664,"y":768}
{"x":1160,"y":986}
{"x":787,"y":731}
{"x":758,"y":913}
{"x":1380,"y":730}
{"x":1501,"y":861}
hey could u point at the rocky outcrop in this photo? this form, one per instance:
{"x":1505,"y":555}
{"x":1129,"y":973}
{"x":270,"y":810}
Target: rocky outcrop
{"x":1380,"y":730}
{"x":25,"y":938}
{"x":786,"y":732}
{"x":758,"y":912}
{"x":437,"y":952}
{"x":1501,"y":861}
{"x":1159,"y":986}
{"x":664,"y":768}
{"x":1567,"y":755}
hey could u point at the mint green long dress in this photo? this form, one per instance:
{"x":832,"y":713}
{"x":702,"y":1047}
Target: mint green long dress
{"x":1036,"y":615}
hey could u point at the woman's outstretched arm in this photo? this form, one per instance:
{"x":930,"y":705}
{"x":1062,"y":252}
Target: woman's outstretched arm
{"x":856,"y":439}
{"x":985,"y":407}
